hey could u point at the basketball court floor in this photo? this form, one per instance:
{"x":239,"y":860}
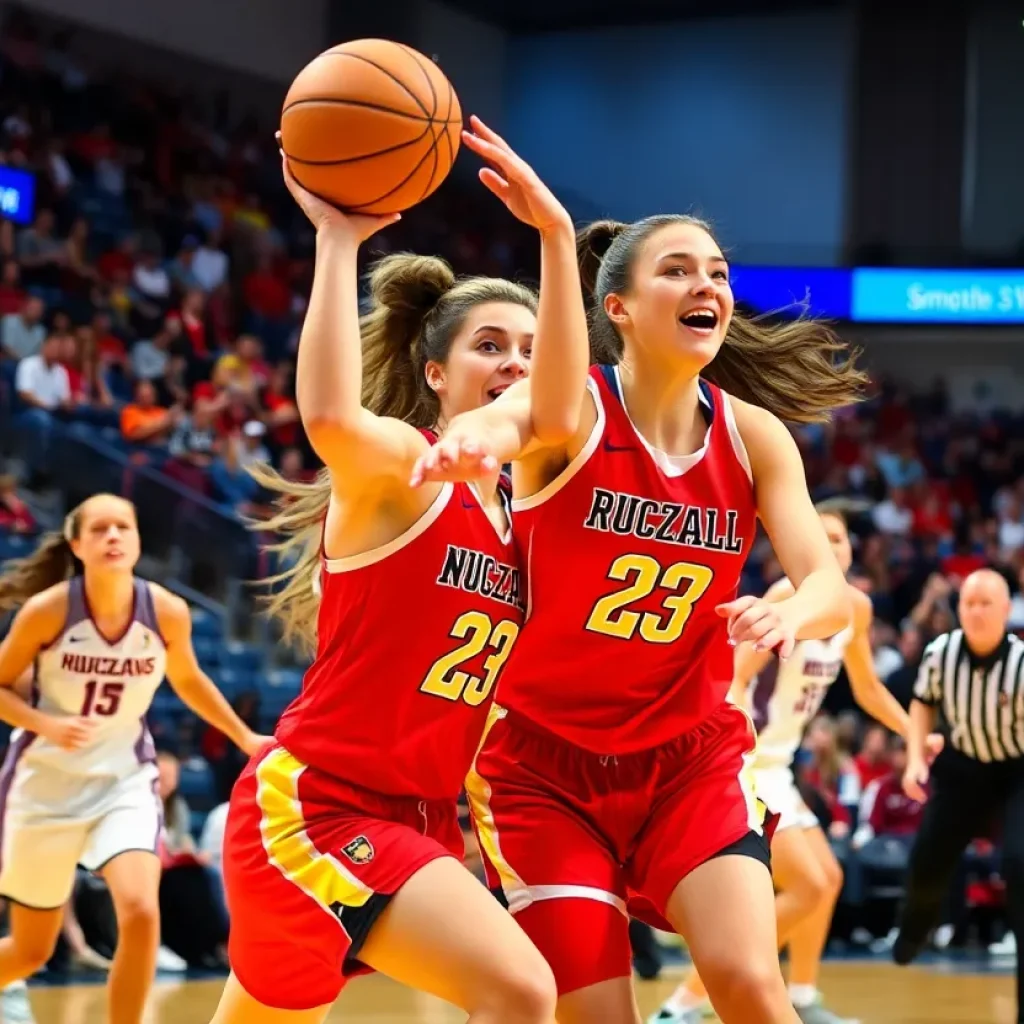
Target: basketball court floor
{"x":874,"y":991}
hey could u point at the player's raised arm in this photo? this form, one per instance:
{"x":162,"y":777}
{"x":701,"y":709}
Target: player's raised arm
{"x":190,"y":682}
{"x":357,"y":446}
{"x":561,"y":352}
{"x":544,"y":412}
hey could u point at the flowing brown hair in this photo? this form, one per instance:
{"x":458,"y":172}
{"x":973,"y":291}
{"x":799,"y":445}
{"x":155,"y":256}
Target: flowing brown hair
{"x":417,"y":307}
{"x":798,"y":369}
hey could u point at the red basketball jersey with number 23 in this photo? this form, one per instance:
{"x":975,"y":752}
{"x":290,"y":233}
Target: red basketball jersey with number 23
{"x":412,"y":638}
{"x":627,"y":554}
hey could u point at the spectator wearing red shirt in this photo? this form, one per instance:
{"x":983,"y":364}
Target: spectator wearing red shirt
{"x":266,"y":293}
{"x":15,"y":515}
{"x":119,"y":262}
{"x":193,"y":322}
{"x":873,"y":762}
{"x":886,"y":810}
{"x":12,"y":295}
{"x":282,"y":414}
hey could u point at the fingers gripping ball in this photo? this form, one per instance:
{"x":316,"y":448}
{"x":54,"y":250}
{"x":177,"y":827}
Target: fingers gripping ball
{"x":371,"y":126}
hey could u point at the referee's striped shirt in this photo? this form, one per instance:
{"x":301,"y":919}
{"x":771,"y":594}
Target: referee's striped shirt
{"x":981,"y":699}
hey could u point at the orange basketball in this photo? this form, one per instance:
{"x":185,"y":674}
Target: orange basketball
{"x":371,"y":126}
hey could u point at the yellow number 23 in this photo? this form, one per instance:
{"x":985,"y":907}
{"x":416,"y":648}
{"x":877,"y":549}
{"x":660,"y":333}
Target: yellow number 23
{"x":612,"y":615}
{"x":448,"y":680}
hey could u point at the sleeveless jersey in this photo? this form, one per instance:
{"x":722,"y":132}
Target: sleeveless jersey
{"x":627,"y":553}
{"x":412,"y":637}
{"x":784,"y":697}
{"x":112,"y":682}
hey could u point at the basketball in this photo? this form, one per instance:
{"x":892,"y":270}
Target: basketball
{"x":371,"y":126}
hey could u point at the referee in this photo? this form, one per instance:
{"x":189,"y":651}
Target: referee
{"x":974,"y":677}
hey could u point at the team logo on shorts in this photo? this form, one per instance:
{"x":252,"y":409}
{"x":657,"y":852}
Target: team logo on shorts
{"x":359,"y":851}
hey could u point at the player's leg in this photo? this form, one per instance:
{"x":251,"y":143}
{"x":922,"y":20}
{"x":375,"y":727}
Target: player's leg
{"x":319,"y":890}
{"x":823,"y":881}
{"x":134,"y":882}
{"x":444,"y":933}
{"x":238,"y":1007}
{"x":703,"y":863}
{"x":533,"y":803}
{"x":725,"y":909}
{"x":121,"y":847}
{"x":955,"y":813}
{"x":800,"y":887}
{"x":31,"y":942}
{"x":37,"y":877}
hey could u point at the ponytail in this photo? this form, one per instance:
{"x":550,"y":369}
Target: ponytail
{"x":404,"y":291}
{"x":300,"y":512}
{"x":51,"y":563}
{"x":800,"y":370}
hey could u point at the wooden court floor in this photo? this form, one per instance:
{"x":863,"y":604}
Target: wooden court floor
{"x":876,"y":993}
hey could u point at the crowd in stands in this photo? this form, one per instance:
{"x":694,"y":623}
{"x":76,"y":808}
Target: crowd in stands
{"x":156,"y":299}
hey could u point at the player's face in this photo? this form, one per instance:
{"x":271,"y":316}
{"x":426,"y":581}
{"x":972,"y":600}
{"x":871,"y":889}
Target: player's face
{"x":680,"y":303}
{"x":490,"y":353}
{"x":108,"y":535}
{"x":839,"y":538}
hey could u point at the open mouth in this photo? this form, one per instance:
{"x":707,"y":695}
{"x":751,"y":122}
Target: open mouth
{"x":497,"y":392}
{"x":700,"y":320}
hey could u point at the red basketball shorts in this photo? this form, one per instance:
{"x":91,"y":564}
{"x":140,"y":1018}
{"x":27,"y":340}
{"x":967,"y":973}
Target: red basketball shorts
{"x":577,"y":841}
{"x":310,"y":863}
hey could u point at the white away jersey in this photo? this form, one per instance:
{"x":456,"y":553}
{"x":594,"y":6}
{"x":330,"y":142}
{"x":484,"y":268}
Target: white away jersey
{"x":111,"y":682}
{"x":784,"y":697}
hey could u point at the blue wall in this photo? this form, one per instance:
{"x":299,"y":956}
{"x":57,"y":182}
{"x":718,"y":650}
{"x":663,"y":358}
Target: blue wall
{"x":742,"y":120}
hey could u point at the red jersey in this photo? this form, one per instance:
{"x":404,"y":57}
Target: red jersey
{"x":412,"y":637}
{"x":891,"y":812}
{"x":627,"y":553}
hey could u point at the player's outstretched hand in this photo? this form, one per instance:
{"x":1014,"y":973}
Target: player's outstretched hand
{"x":759,"y":622}
{"x":70,"y":733}
{"x":514,"y":181}
{"x":454,"y":458}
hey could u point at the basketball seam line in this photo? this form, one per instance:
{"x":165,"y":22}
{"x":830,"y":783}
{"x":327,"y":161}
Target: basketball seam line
{"x":393,"y":190}
{"x":433,"y":93}
{"x":365,"y":104}
{"x":383,"y":71}
{"x":363,"y":156}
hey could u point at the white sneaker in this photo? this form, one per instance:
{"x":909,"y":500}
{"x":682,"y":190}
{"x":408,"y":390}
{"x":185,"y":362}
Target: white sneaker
{"x":168,"y":960}
{"x":14,"y":1005}
{"x":1006,"y":946}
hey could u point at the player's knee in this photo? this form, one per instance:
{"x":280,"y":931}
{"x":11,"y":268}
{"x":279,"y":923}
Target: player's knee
{"x":814,"y":887}
{"x":523,"y":992}
{"x":751,"y":991}
{"x":138,"y":916}
{"x":833,"y":877}
{"x":33,"y":952}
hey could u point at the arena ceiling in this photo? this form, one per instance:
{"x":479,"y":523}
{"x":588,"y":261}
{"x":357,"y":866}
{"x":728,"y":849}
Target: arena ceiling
{"x":548,"y":15}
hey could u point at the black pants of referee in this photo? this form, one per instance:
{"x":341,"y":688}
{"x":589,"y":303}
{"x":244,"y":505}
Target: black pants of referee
{"x":968,"y":798}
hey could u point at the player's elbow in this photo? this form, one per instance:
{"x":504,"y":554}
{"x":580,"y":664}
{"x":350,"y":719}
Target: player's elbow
{"x":554,"y":427}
